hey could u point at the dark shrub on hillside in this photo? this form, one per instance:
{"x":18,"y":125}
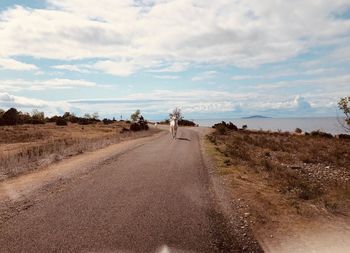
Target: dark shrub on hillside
{"x":141,"y":124}
{"x":344,"y":136}
{"x":321,"y":134}
{"x":61,"y":121}
{"x":10,"y":117}
{"x":184,"y":122}
{"x":107,"y":121}
{"x":229,"y":126}
{"x":85,"y":121}
{"x":37,"y":121}
{"x":298,"y":130}
{"x":135,"y":127}
{"x":52,"y":119}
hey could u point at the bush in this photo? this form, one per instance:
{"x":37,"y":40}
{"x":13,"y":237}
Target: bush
{"x":135,"y":127}
{"x":223,"y":127}
{"x":184,"y":122}
{"x":107,"y":121}
{"x":140,"y":125}
{"x":298,"y":130}
{"x":321,"y":134}
{"x":10,"y":117}
{"x":37,"y":121}
{"x":61,"y":122}
{"x":344,"y":136}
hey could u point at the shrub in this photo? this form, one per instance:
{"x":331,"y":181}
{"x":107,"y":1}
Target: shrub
{"x":140,"y":125}
{"x":184,"y":122}
{"x":298,"y":130}
{"x":11,"y":117}
{"x":135,"y":127}
{"x":61,"y":122}
{"x":344,"y":136}
{"x":107,"y":121}
{"x":221,"y":129}
{"x":229,"y":126}
{"x":321,"y":134}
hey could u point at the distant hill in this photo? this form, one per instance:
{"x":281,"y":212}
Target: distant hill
{"x":256,"y":117}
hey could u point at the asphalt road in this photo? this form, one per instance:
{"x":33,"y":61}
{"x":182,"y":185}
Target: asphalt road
{"x":150,"y":197}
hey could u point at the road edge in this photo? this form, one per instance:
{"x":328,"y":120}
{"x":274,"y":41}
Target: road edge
{"x":231,"y":228}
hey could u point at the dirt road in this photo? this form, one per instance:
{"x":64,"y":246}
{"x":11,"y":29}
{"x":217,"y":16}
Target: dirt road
{"x":149,"y":199}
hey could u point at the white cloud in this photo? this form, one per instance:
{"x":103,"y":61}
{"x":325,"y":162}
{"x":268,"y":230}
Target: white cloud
{"x":115,"y":68}
{"x":71,"y":67}
{"x":28,"y":104}
{"x":204,"y":76}
{"x":167,"y":77}
{"x":11,"y":64}
{"x":56,"y":83}
{"x":192,"y":102}
{"x":175,"y":67}
{"x":131,"y":37}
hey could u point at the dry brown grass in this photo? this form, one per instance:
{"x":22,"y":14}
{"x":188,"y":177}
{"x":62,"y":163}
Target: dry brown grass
{"x":304,"y":169}
{"x":27,"y":147}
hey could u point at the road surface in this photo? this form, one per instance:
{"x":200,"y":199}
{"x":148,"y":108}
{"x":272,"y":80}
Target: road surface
{"x":149,"y":199}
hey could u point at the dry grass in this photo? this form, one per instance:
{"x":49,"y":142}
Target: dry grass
{"x":27,"y":147}
{"x":304,"y":169}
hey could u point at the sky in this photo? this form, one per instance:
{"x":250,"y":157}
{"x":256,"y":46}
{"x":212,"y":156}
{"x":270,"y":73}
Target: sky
{"x":212,"y":59}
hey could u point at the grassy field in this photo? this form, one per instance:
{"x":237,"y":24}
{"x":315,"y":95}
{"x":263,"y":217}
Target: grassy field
{"x":27,"y":147}
{"x":283,"y":174}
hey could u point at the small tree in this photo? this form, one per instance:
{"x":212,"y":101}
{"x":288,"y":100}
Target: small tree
{"x":344,"y":105}
{"x":136,"y":115}
{"x":87,"y":116}
{"x":176,"y":112}
{"x":95,"y":116}
{"x":38,"y":117}
{"x":11,"y":117}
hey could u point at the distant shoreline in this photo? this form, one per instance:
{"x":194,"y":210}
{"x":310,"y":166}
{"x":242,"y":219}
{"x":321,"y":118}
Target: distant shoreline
{"x":307,"y":124}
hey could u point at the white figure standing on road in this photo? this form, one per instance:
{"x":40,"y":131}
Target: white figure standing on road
{"x":174,"y":118}
{"x":173,"y":126}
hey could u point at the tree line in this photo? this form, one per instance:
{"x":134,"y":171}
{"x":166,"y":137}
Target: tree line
{"x":13,"y":117}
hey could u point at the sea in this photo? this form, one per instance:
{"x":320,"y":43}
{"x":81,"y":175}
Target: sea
{"x":331,"y":125}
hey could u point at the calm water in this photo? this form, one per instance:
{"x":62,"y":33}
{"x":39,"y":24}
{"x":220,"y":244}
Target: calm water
{"x":329,"y":125}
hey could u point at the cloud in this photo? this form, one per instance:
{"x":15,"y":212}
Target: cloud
{"x":122,"y":33}
{"x":28,"y":104}
{"x":123,"y":68}
{"x":167,"y":77}
{"x":72,"y":68}
{"x":175,"y":67}
{"x":11,"y":64}
{"x":56,"y":83}
{"x":194,"y":103}
{"x":204,"y":76}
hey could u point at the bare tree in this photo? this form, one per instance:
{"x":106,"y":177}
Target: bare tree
{"x":344,"y":106}
{"x":95,"y":116}
{"x":176,"y":112}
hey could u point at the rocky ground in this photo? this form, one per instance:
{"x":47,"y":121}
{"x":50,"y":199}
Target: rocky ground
{"x":286,"y":187}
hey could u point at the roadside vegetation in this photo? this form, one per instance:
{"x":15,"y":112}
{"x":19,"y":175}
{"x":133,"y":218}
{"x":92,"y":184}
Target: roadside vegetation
{"x":282,"y":172}
{"x":31,"y":141}
{"x":344,"y":106}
